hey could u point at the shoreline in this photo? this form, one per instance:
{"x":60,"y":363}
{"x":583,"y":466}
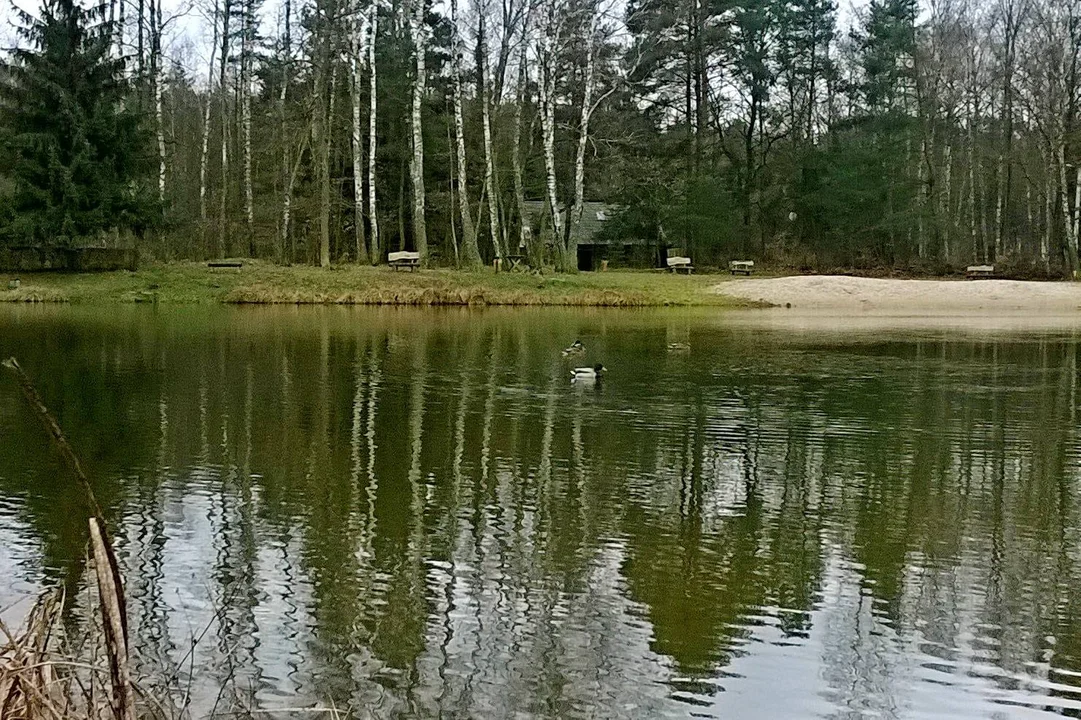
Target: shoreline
{"x":869,"y":297}
{"x":262,"y":283}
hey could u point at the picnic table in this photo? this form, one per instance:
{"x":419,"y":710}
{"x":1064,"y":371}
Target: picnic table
{"x":741,"y":267}
{"x":973,"y":272}
{"x":514,"y":261}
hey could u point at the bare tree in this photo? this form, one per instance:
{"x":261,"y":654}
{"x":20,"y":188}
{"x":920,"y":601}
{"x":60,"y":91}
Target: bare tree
{"x":373,"y":217}
{"x":470,"y":254}
{"x":358,"y":36}
{"x":418,"y":33}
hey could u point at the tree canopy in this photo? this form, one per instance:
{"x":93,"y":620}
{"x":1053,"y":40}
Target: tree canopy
{"x":74,"y":149}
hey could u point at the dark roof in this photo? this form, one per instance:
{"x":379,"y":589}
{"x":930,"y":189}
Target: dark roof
{"x":594,"y":215}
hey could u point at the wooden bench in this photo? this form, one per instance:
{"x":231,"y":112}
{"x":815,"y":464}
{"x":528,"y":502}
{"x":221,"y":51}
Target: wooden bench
{"x":404,"y":259}
{"x":973,"y":272}
{"x":678,"y":263}
{"x":235,"y":264}
{"x":741,"y":267}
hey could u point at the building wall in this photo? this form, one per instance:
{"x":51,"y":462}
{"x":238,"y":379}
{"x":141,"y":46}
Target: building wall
{"x":40,"y":259}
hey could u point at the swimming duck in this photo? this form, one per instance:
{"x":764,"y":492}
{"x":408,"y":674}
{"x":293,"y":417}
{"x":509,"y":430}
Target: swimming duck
{"x":588,"y":373}
{"x":575,"y":348}
{"x":679,"y":347}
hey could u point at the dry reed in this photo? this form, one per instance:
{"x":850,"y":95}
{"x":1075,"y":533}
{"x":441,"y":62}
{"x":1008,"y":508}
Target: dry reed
{"x":33,"y":686}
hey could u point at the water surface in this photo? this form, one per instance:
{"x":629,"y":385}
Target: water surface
{"x":415,"y":513}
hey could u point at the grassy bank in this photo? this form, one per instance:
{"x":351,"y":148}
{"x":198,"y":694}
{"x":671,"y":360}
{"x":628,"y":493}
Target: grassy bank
{"x":264,"y":283}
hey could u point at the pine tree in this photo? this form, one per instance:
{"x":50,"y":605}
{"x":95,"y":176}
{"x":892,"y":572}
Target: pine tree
{"x":76,"y":156}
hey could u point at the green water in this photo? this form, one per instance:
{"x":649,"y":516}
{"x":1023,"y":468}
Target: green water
{"x":416,"y":513}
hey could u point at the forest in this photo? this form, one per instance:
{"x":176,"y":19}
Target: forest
{"x":923,"y":137}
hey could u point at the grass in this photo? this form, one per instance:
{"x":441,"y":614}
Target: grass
{"x":265,"y":283}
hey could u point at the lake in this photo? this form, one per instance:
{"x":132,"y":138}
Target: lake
{"x":415,"y":513}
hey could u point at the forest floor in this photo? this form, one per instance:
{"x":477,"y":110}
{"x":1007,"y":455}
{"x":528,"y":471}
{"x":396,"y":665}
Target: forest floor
{"x":846,"y":294}
{"x":266,"y":283}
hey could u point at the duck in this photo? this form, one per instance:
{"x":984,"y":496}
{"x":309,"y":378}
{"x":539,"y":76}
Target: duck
{"x":679,"y":347}
{"x":588,"y":373}
{"x":575,"y":348}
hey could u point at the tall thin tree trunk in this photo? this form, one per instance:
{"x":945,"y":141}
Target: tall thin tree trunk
{"x":320,"y":139}
{"x":157,"y":79}
{"x":358,"y":51}
{"x":373,"y":217}
{"x":489,"y":159}
{"x":1048,"y":215}
{"x":1077,"y":204}
{"x":1067,"y":220}
{"x":525,"y":235}
{"x":205,"y":154}
{"x":547,"y":97}
{"x":921,"y":202}
{"x":583,"y":139}
{"x":224,"y":194}
{"x":141,"y":30}
{"x":246,"y":60}
{"x":416,"y":165}
{"x":120,"y":27}
{"x":470,"y":255}
{"x":945,"y":194}
{"x":287,"y":177}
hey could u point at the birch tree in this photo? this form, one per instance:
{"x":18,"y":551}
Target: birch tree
{"x":373,"y":216}
{"x":247,"y":59}
{"x":223,"y":199}
{"x":586,"y":111}
{"x":525,"y":235}
{"x":470,"y":253}
{"x":205,"y":151}
{"x":418,"y":34}
{"x":359,"y":54}
{"x":546,"y":62}
{"x":490,"y":188}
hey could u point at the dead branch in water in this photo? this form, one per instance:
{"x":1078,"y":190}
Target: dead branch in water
{"x":53,"y":428}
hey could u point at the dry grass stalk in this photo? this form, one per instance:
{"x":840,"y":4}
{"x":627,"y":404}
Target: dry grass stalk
{"x":114,"y":620}
{"x":32,"y":684}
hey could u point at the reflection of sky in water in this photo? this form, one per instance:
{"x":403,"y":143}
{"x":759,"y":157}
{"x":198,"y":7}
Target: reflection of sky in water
{"x":417,"y":514}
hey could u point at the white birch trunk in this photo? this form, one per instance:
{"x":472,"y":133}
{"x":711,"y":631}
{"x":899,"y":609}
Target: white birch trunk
{"x":547,"y":98}
{"x":416,"y":165}
{"x":320,"y":143}
{"x":246,"y":52}
{"x":1067,"y":220}
{"x":373,"y":217}
{"x":1076,"y":204}
{"x":524,"y":229}
{"x":921,"y":202}
{"x":470,"y":252}
{"x":223,"y":200}
{"x":158,"y":79}
{"x":1000,"y":195}
{"x":489,"y":160}
{"x":287,"y":177}
{"x":205,"y":154}
{"x":1048,"y":214}
{"x":571,"y":251}
{"x":947,"y":191}
{"x":358,"y":51}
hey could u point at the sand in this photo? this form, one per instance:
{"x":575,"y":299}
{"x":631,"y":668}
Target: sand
{"x":853,"y":295}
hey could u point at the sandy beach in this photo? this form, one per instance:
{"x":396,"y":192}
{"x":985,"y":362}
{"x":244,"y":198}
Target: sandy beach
{"x":843,"y":294}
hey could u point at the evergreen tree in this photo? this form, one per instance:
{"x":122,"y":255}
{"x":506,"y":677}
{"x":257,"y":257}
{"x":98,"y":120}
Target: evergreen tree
{"x":75,"y":155}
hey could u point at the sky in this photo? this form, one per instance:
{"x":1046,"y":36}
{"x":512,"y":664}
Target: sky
{"x":189,"y":33}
